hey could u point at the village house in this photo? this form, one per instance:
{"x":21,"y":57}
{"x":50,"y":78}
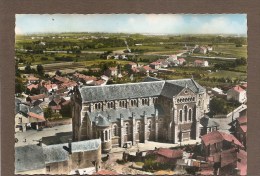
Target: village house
{"x":111,"y":71}
{"x":232,"y":162}
{"x":181,"y":61}
{"x":172,"y":58}
{"x":27,"y":116}
{"x":84,"y":79}
{"x":216,"y":141}
{"x":57,"y":102}
{"x":131,"y":65}
{"x":241,"y":129}
{"x":58,"y":158}
{"x":165,"y":156}
{"x":134,"y":112}
{"x":201,"y":63}
{"x":200,"y":49}
{"x":32,"y":99}
{"x":51,"y":87}
{"x":208,"y":125}
{"x":237,"y":93}
{"x":164,"y":63}
{"x":155,"y":65}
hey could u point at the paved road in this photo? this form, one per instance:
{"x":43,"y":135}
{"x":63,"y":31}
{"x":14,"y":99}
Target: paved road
{"x":58,"y":134}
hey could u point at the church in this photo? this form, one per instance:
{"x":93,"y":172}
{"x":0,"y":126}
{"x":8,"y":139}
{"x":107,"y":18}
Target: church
{"x":132,"y":113}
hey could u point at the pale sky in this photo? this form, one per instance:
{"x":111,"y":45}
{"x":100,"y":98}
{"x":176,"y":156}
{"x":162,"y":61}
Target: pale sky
{"x":133,"y":23}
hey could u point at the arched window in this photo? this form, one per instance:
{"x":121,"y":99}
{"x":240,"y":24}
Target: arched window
{"x":190,"y":115}
{"x":115,"y":130}
{"x":185,"y":113}
{"x":180,"y":115}
{"x":142,"y":101}
{"x":199,"y":103}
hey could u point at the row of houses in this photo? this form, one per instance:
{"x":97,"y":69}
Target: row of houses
{"x":53,"y":94}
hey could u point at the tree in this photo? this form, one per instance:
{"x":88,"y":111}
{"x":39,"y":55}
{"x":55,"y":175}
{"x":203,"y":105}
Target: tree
{"x":28,"y":69}
{"x":40,"y":69}
{"x":19,"y":88}
{"x":217,"y":106}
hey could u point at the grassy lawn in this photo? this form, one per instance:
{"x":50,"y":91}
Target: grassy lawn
{"x":230,"y":51}
{"x":230,"y":74}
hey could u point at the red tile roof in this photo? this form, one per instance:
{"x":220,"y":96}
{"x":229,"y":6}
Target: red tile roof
{"x":181,"y":60}
{"x":37,"y":97}
{"x":147,"y":67}
{"x":32,"y":86}
{"x":37,"y":116}
{"x":238,"y":89}
{"x":168,"y":153}
{"x":68,"y":84}
{"x":217,"y":136}
{"x":61,"y":79}
{"x":244,"y":128}
{"x":50,"y":86}
{"x":242,"y":119}
{"x":155,"y":63}
{"x":198,"y":61}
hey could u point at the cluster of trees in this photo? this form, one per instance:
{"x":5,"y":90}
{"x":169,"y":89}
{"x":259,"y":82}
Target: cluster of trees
{"x":231,"y":64}
{"x":221,"y":106}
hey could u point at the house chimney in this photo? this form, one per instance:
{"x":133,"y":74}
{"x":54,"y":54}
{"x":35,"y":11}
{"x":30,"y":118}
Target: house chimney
{"x":70,"y":146}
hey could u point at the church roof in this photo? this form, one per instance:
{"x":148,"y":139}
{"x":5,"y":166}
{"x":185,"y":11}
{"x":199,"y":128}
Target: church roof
{"x":154,"y":87}
{"x":121,"y":91}
{"x":113,"y":115}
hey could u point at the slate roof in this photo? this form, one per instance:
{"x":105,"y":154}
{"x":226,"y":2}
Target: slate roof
{"x":208,"y":122}
{"x":56,"y":153}
{"x":34,"y":157}
{"x":120,"y":91}
{"x":87,"y":145}
{"x":126,"y":114}
{"x":29,"y":157}
{"x":167,"y":88}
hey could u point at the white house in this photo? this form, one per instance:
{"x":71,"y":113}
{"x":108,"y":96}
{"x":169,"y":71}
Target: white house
{"x":201,"y":63}
{"x":237,"y":93}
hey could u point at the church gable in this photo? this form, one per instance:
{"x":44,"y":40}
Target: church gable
{"x":186,"y":92}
